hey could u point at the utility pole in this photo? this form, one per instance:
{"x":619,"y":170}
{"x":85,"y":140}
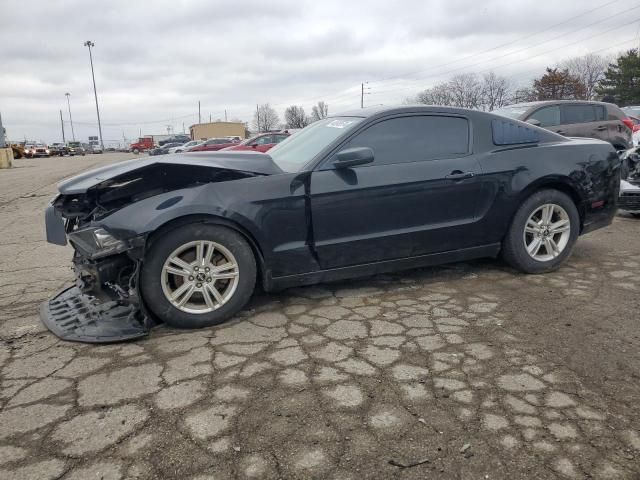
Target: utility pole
{"x":90,"y":44}
{"x":2,"y":139}
{"x":73,"y":135}
{"x":225,"y":114}
{"x":199,"y":119}
{"x":62,"y":124}
{"x":209,"y":118}
{"x":363,"y":93}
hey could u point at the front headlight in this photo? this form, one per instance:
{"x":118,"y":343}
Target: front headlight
{"x":96,"y":242}
{"x":46,"y":151}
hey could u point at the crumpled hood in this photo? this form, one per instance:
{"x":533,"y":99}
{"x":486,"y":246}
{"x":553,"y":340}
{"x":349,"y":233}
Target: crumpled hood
{"x":253,"y":162}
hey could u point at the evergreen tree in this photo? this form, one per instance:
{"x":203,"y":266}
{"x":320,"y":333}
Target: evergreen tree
{"x":622,"y":79}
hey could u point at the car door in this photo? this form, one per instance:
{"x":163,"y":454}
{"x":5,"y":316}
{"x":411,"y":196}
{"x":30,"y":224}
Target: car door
{"x":548,"y":117}
{"x":419,"y":196}
{"x":584,"y":120}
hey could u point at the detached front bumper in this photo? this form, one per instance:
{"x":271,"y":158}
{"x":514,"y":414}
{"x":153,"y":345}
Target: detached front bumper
{"x":79,"y":317}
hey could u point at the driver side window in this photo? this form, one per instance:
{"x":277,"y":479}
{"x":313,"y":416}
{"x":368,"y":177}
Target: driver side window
{"x":414,"y":139}
{"x":547,"y":116}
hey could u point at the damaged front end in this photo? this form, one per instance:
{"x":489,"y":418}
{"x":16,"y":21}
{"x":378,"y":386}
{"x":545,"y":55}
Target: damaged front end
{"x":105,"y":304}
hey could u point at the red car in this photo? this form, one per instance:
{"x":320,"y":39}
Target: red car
{"x":213,"y":144}
{"x":261,"y":142}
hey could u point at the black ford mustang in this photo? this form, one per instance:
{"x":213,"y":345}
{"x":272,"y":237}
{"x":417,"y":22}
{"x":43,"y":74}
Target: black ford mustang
{"x":184,"y":238}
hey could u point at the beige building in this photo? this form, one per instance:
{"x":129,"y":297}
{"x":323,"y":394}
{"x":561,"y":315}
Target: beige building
{"x":204,"y":131}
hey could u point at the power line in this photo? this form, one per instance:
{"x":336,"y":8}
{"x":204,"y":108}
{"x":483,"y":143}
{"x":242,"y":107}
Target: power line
{"x":346,"y":94}
{"x":503,"y":44}
{"x":617,"y":27}
{"x":464,"y":67}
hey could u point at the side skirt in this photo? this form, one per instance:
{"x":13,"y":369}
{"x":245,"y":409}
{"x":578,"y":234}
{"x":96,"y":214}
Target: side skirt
{"x":367,"y":269}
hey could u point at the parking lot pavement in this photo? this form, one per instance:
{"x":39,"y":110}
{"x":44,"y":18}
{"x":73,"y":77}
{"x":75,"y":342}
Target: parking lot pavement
{"x":463,"y":371}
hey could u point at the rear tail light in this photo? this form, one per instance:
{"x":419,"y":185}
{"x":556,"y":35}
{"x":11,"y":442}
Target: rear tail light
{"x":628,"y":122}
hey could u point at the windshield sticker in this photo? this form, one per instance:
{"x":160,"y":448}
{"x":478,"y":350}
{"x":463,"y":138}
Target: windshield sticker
{"x":339,"y":123}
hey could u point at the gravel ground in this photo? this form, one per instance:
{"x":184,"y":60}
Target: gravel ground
{"x":466,"y":371}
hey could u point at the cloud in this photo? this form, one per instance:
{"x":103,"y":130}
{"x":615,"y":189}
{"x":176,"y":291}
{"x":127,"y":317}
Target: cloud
{"x":155,"y":60}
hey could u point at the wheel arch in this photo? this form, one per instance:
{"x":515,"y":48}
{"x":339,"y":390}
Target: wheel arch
{"x":562,"y":184}
{"x":177,"y":222}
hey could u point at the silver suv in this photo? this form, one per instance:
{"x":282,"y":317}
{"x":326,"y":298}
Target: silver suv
{"x":575,"y":118}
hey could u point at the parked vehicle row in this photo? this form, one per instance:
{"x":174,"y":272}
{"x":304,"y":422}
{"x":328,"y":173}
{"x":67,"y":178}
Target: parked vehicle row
{"x":258,"y":143}
{"x":33,"y":150}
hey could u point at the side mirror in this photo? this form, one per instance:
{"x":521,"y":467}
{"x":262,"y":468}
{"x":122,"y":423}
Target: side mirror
{"x":534,"y":122}
{"x":352,"y":157}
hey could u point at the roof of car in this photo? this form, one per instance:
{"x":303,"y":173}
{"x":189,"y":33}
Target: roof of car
{"x":554,"y":102}
{"x":382,"y":109}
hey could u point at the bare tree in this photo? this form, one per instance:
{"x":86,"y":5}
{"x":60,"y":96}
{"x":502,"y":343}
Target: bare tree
{"x":319,"y":111}
{"x":466,"y":91}
{"x":265,"y":118}
{"x":495,"y":91}
{"x":589,"y":69}
{"x":525,"y":94}
{"x":295,"y":117}
{"x":439,"y":94}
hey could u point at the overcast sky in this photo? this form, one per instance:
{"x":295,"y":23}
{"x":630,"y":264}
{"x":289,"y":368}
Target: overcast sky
{"x":155,"y":60}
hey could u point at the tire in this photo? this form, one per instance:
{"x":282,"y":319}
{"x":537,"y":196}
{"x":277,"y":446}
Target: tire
{"x":515,"y":250}
{"x":156,"y":284}
{"x":136,"y":151}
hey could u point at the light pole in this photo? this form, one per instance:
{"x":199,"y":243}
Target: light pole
{"x":73,"y":135}
{"x":90,"y":44}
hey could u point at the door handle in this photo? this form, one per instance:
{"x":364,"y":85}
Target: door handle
{"x":561,"y":132}
{"x":458,"y":175}
{"x":601,"y":128}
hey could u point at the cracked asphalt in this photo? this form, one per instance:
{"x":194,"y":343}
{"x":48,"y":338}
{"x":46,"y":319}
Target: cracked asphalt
{"x":465,"y":371}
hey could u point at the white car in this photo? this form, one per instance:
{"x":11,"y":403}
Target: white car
{"x":629,"y":199}
{"x":184,"y":147}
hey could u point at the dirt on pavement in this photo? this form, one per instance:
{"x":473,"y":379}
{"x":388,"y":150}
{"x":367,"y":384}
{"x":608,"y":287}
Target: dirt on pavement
{"x":465,"y":371}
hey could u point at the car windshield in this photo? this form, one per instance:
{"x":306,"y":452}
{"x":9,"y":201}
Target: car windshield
{"x":251,"y":139}
{"x":634,"y":110}
{"x":514,"y":111}
{"x":292,"y":154}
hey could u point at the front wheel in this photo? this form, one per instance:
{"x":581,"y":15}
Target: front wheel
{"x":543,"y":232}
{"x":198,"y":275}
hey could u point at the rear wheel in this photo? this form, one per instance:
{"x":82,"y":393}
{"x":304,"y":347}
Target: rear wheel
{"x":543,"y":232}
{"x":198,"y":275}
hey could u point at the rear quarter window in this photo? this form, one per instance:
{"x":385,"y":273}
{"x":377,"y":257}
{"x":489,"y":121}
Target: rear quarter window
{"x":510,"y":133}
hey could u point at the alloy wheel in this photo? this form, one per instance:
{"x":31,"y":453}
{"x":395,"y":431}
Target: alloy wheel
{"x":200,"y":276}
{"x":547,"y":232}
